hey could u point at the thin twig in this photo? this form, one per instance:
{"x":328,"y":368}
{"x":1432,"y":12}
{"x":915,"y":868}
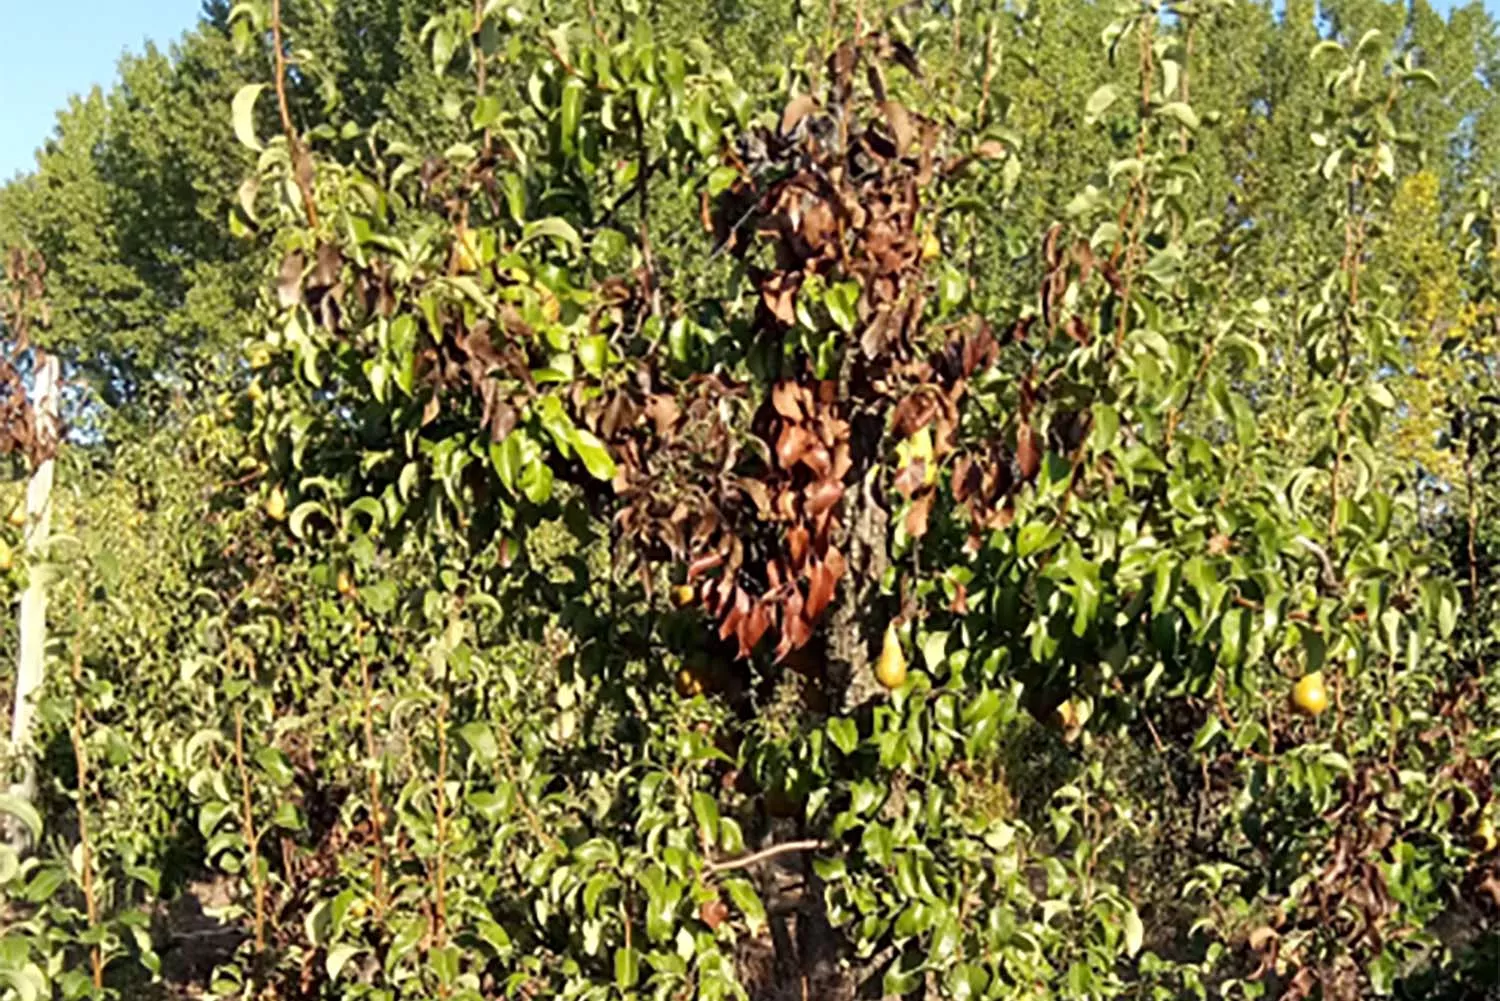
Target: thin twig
{"x":377,"y":816}
{"x":248,"y":831}
{"x":477,"y":47}
{"x":643,"y":172}
{"x":440,"y":918}
{"x":300,"y":157}
{"x":80,"y":755}
{"x":989,"y":74}
{"x":755,"y":858}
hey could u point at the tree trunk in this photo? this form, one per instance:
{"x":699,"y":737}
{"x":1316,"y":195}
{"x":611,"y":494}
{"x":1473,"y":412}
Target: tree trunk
{"x":31,"y":664}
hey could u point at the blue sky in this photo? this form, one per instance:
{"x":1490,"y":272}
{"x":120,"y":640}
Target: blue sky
{"x":56,"y":49}
{"x":53,"y":50}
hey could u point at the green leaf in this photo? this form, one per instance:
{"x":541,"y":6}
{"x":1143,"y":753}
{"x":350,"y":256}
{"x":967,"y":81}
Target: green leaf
{"x":24,"y":812}
{"x":27,"y":982}
{"x":572,"y":106}
{"x":952,"y":287}
{"x":1034,"y":537}
{"x":844,"y":733}
{"x":495,"y":936}
{"x":595,"y":456}
{"x":746,"y":899}
{"x":558,"y":229}
{"x":481,"y":740}
{"x":444,"y":44}
{"x":276,"y":765}
{"x":706,"y":811}
{"x":1100,"y":101}
{"x":242,"y":111}
{"x":1135,"y":932}
{"x":935,"y":649}
{"x":593,"y":353}
{"x":1106,"y":426}
{"x":486,"y":111}
{"x":338,"y":956}
{"x":840,"y":300}
{"x":1184,"y":113}
{"x":505,"y":456}
{"x":319,"y":923}
{"x":444,"y":963}
{"x":536,"y":482}
{"x":627,"y":968}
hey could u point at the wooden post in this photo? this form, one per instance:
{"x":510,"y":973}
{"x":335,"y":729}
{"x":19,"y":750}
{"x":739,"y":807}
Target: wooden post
{"x":31,"y":664}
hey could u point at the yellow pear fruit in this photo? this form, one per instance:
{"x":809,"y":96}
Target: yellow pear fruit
{"x":689,"y":684}
{"x":684,"y":595}
{"x":18,"y":515}
{"x":467,"y":255}
{"x":931,"y":248}
{"x":276,"y":504}
{"x":346,"y":583}
{"x":890,"y":670}
{"x":1485,"y":839}
{"x":1310,"y":695}
{"x":7,"y":558}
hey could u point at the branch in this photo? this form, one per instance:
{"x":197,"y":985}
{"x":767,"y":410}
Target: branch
{"x":300,"y":158}
{"x":755,"y":858}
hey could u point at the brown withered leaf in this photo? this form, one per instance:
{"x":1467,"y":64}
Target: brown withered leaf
{"x":820,"y":587}
{"x":1084,"y":255}
{"x":289,"y":280}
{"x":714,"y":913}
{"x":794,"y":442}
{"x":797,"y":109}
{"x":758,"y":493}
{"x":787,"y":399}
{"x":966,"y":478}
{"x":841,"y":64}
{"x":786,"y":504}
{"x":779,"y":294}
{"x":733,"y":615}
{"x":818,"y":226}
{"x":753,"y":627}
{"x":960,"y":603}
{"x":1028,"y":454}
{"x":834,"y":561}
{"x":703,"y":565}
{"x":798,"y":539}
{"x":1078,"y":330}
{"x":900,"y":122}
{"x":796,"y":629}
{"x":918,"y":514}
{"x":913,"y":413}
{"x":500,"y":418}
{"x":980,"y":350}
{"x":842,"y":460}
{"x":911,"y":478}
{"x":664,"y":412}
{"x":326,"y":270}
{"x":822,"y":496}
{"x":1019,"y":330}
{"x":430,"y":409}
{"x":818,"y":460}
{"x":875,"y":339}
